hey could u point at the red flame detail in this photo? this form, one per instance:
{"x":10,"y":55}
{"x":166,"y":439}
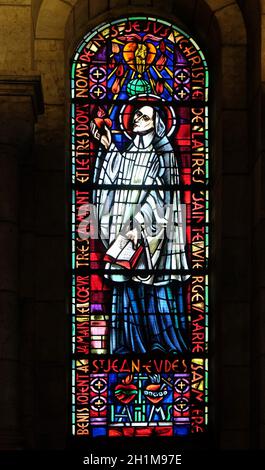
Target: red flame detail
{"x":101,"y":112}
{"x":120,"y":71}
{"x":116,"y":87}
{"x":159,"y":87}
{"x":162,"y":47}
{"x":127,"y":380}
{"x":161,"y":63}
{"x":112,"y":63}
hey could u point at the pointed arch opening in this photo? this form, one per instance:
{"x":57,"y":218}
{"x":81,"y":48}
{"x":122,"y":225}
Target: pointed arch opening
{"x":140,"y":231}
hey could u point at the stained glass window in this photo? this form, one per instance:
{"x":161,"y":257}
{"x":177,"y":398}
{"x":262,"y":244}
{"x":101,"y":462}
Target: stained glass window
{"x":140,"y":231}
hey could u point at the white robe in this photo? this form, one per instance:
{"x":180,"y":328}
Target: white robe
{"x":148,"y":161}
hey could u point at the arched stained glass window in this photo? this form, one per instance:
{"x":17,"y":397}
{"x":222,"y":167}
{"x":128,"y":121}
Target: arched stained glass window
{"x":140,"y":228}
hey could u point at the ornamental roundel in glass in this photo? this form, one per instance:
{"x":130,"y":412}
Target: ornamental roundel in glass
{"x":140,"y":229}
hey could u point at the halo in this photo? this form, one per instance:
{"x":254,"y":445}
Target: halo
{"x":126,"y":113}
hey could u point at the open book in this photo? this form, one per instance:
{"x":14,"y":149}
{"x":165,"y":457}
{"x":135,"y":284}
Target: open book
{"x":123,"y":253}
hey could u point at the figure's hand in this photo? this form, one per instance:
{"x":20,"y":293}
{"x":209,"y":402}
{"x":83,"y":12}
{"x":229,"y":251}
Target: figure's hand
{"x":133,"y":236}
{"x":104,"y":138}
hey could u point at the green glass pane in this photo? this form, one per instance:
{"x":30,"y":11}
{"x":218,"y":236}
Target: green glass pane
{"x":106,"y":26}
{"x":118,"y":21}
{"x":207,"y":79}
{"x":138,"y":86}
{"x":164,"y":22}
{"x":139,"y":18}
{"x":73,"y":74}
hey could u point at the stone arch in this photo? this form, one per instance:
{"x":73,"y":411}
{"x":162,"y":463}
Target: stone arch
{"x":59,"y":25}
{"x":50,"y":17}
{"x":35,"y":8}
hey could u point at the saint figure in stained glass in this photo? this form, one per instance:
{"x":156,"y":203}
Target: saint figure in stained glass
{"x":147,"y":303}
{"x":140,"y":231}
